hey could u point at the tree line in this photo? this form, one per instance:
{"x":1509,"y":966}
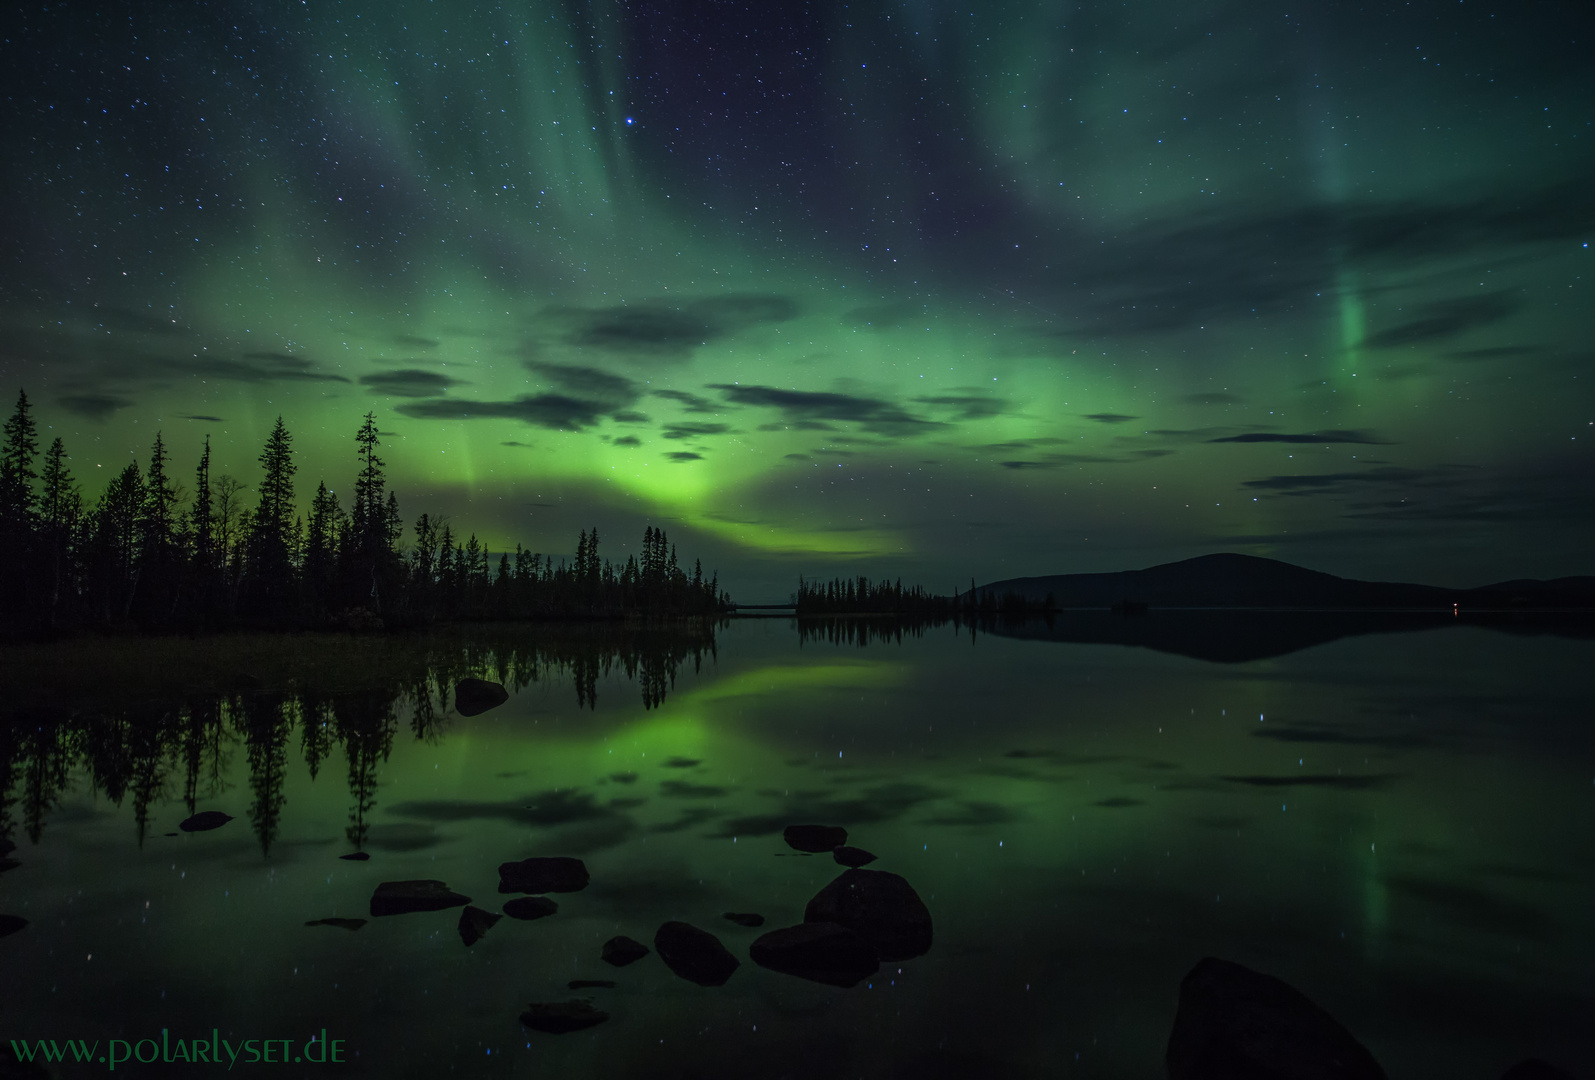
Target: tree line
{"x":860,"y":596}
{"x":146,"y":555}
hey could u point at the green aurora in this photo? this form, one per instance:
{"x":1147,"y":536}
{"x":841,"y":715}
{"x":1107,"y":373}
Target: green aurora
{"x":907,"y":290}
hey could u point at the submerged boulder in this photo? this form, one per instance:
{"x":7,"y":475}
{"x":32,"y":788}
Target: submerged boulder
{"x":10,"y":924}
{"x":744,"y":918}
{"x":814,"y":838}
{"x":879,"y":907}
{"x":696,"y":955}
{"x":852,"y":856}
{"x":204,"y":821}
{"x":623,"y":950}
{"x":543,"y":875}
{"x":560,"y":1017}
{"x":819,"y":951}
{"x":530,"y":907}
{"x":404,"y":897}
{"x":356,"y":856}
{"x":474,"y":923}
{"x":472,"y":697}
{"x":1236,"y":1022}
{"x":341,"y":924}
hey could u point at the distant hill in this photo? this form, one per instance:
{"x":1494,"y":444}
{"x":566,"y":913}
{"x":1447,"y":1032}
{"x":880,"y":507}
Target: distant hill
{"x":1229,"y":580}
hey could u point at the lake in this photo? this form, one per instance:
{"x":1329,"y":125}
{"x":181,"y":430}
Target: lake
{"x":1399,"y":822}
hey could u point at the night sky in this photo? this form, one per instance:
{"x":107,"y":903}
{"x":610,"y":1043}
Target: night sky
{"x":908,"y":289}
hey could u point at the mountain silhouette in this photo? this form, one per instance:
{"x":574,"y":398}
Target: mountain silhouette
{"x":1229,"y":580}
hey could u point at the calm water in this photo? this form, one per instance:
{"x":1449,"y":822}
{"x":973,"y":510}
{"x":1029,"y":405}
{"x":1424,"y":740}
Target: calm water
{"x":1400,"y":824}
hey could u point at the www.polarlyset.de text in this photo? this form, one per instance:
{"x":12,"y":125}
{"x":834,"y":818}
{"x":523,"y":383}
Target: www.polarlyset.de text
{"x":317,"y":1050}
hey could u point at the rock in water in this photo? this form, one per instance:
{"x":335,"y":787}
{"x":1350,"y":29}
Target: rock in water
{"x":621,"y":951}
{"x":557,"y":874}
{"x":355,"y":856}
{"x":696,"y":955}
{"x":560,"y":1017}
{"x":342,"y":924}
{"x":472,"y":697}
{"x":852,"y":856}
{"x":815,"y":838}
{"x":745,"y":918}
{"x":1535,"y":1069}
{"x":819,"y":951}
{"x":403,"y":897}
{"x":530,"y":907}
{"x":879,"y":907}
{"x":10,"y":924}
{"x":1236,"y":1022}
{"x":204,"y":821}
{"x":8,"y":864}
{"x":474,"y":922}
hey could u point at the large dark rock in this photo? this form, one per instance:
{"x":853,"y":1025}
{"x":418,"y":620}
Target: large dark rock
{"x":472,"y":697}
{"x":403,"y":897}
{"x":1234,"y":1023}
{"x":8,"y":864}
{"x":820,"y":951}
{"x":623,"y":950}
{"x":356,"y":856}
{"x":744,"y":918}
{"x":814,"y":838}
{"x":560,"y":1017}
{"x":530,"y":907}
{"x":879,"y":907}
{"x":204,"y":821}
{"x":852,"y":856}
{"x":10,"y":924}
{"x":696,"y":955}
{"x":474,"y":923}
{"x":558,"y":874}
{"x":1535,"y":1069}
{"x":342,"y":924}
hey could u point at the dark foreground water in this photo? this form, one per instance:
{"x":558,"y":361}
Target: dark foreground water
{"x":1400,"y":824}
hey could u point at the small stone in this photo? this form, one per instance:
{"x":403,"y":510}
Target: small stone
{"x":584,"y":984}
{"x":530,"y":907}
{"x":10,"y":924}
{"x":622,"y":950}
{"x":852,"y":856}
{"x":818,"y":951}
{"x":543,"y":875}
{"x":561,"y":1017}
{"x":815,"y":838}
{"x":472,"y":697}
{"x":356,"y":856}
{"x":696,"y":955}
{"x":474,"y":922}
{"x":404,"y":897}
{"x":204,"y":821}
{"x":745,"y":918}
{"x":342,"y":924}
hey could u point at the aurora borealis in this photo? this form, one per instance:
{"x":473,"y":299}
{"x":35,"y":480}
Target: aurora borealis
{"x":907,"y":289}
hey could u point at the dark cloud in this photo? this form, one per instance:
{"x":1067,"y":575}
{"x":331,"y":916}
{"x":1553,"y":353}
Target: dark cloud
{"x":1320,"y":438}
{"x":588,"y":381}
{"x":1315,"y":483}
{"x":555,"y":411}
{"x":655,"y":328}
{"x":684,"y":455}
{"x":628,"y":440}
{"x":198,"y":416}
{"x":256,"y":367}
{"x":1109,"y":417}
{"x":967,"y":406}
{"x":1059,"y":461}
{"x":689,"y":402}
{"x":1446,"y":318}
{"x":693,"y":431}
{"x":1497,"y":352}
{"x":410,"y":382}
{"x":803,"y":406}
{"x":93,"y":406}
{"x":630,"y":416}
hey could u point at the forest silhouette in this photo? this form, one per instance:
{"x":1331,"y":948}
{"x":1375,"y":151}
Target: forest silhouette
{"x":144,"y":555}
